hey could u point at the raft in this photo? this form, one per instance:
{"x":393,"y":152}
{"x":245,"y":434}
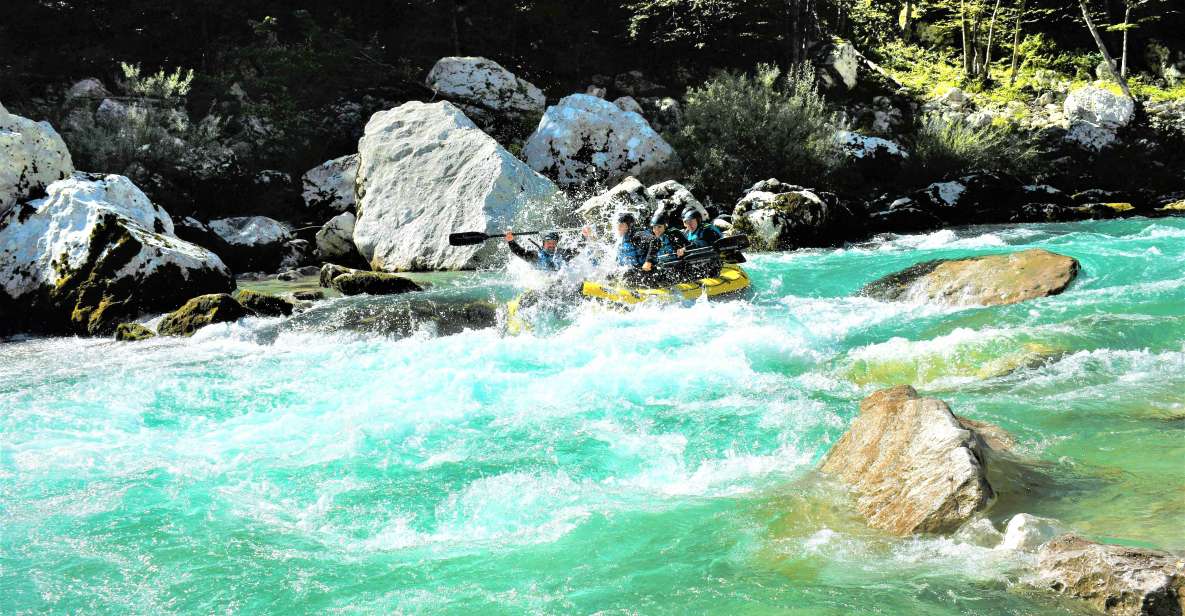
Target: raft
{"x":730,"y":282}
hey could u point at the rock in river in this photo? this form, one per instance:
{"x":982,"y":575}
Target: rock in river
{"x":979,"y":281}
{"x":95,"y":253}
{"x":1114,"y":579}
{"x":263,"y":304}
{"x":914,"y":466}
{"x":133,"y":331}
{"x":355,"y":282}
{"x":201,"y":311}
{"x":425,"y":171}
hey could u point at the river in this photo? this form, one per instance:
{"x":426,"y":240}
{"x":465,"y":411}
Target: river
{"x":654,"y":461}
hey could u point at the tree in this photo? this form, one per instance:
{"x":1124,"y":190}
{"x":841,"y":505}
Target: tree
{"x":1103,"y":48}
{"x":1016,"y":43}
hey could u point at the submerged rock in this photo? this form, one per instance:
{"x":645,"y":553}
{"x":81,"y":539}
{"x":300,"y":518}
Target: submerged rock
{"x":199,"y":312}
{"x":95,"y":253}
{"x":263,"y":304}
{"x":396,"y":316}
{"x":355,"y":282}
{"x":1114,"y":579}
{"x":330,"y":185}
{"x":913,"y":465}
{"x":32,"y":156}
{"x":990,"y":280}
{"x":133,"y":331}
{"x":585,"y":139}
{"x":425,"y":171}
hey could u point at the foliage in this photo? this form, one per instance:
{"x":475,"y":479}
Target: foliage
{"x":740,"y":128}
{"x":164,"y":86}
{"x":150,"y":128}
{"x":945,"y":148}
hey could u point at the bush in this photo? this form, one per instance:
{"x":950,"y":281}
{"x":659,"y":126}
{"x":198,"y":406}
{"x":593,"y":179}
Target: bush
{"x":149,"y":126}
{"x":738,"y":129}
{"x":946,"y":148}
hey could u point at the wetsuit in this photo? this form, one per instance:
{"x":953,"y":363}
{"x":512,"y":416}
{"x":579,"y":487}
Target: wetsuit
{"x":547,"y":261}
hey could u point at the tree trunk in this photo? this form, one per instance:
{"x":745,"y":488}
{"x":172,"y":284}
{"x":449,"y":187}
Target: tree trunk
{"x":975,"y":57}
{"x":1103,"y":48}
{"x":1127,"y":14}
{"x":908,"y":24}
{"x":966,"y":47}
{"x":456,"y":28}
{"x":987,"y":51}
{"x":1016,"y":43}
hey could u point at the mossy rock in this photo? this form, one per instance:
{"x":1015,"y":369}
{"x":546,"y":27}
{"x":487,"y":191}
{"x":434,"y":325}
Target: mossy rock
{"x":263,"y":304}
{"x":201,"y":311}
{"x":373,"y":283}
{"x":1177,"y":207}
{"x":309,"y":296}
{"x":133,"y":331}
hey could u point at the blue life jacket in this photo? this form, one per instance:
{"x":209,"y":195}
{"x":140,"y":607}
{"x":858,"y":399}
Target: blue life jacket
{"x":551,"y":261}
{"x":628,"y":251}
{"x":706,"y":234}
{"x":667,"y":247}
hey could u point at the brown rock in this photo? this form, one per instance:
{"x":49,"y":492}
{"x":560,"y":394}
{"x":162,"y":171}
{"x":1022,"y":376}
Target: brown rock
{"x":199,"y":312}
{"x":263,"y":304}
{"x":979,"y":281}
{"x":1115,"y":579}
{"x":133,"y":331}
{"x":353,"y":282}
{"x":914,"y":467}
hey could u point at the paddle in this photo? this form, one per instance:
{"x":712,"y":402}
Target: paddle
{"x":470,"y":238}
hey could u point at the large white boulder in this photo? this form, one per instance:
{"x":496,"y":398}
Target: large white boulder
{"x":1099,"y":106}
{"x":629,"y":195}
{"x":484,"y":83}
{"x":785,"y":221}
{"x":335,"y":239}
{"x":1095,"y":114}
{"x":330,"y":185}
{"x":672,"y":198}
{"x":94,"y":253}
{"x":425,"y":171}
{"x":585,"y":139}
{"x":32,"y":155}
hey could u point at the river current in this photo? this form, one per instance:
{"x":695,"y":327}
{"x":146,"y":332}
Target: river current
{"x":654,"y":461}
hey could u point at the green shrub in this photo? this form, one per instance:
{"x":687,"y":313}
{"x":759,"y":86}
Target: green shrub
{"x":945,"y":148}
{"x":738,"y":129}
{"x":150,"y":126}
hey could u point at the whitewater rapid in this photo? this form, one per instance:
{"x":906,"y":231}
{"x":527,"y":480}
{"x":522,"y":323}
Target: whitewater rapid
{"x":658,"y":460}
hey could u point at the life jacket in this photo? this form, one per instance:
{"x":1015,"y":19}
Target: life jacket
{"x":551,"y":261}
{"x":666,"y":245}
{"x":706,"y":234}
{"x":629,"y":252}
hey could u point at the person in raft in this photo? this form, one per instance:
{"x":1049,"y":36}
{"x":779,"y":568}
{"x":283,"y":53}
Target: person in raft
{"x":699,"y":233}
{"x":549,"y":257}
{"x":666,"y":245}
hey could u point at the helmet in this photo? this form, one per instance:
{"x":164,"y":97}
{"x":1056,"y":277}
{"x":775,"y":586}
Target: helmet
{"x":627,"y":218}
{"x":551,"y":236}
{"x":659,"y":218}
{"x":690,"y":213}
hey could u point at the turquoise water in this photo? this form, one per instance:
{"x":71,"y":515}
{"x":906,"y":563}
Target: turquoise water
{"x":657,"y":461}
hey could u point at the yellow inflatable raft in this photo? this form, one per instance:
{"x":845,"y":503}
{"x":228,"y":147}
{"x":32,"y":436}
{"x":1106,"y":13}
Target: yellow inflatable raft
{"x":730,"y":282}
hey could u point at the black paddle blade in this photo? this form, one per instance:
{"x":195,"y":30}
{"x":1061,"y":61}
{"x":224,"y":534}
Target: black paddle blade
{"x":736,"y":242}
{"x":468,"y":238}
